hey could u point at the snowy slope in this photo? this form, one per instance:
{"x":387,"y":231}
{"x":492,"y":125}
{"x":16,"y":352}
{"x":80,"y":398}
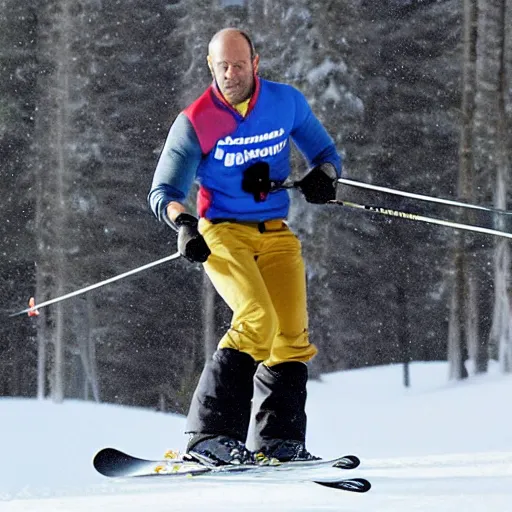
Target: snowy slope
{"x":436,"y":446}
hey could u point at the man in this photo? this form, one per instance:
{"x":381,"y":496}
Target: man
{"x":234,"y":140}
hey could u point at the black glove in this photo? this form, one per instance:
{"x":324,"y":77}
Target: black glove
{"x":256,"y":181}
{"x":191,"y":243}
{"x":319,"y":185}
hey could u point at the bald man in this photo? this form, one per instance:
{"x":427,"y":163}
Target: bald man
{"x":234,"y":140}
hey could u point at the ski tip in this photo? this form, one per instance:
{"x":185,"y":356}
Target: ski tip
{"x":101,"y":460}
{"x":108,"y":460}
{"x":352,"y":484}
{"x":347,"y":462}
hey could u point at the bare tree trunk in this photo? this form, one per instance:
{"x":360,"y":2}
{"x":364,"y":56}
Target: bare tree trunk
{"x":41,"y":361}
{"x":61,"y":131}
{"x":457,"y":334}
{"x":404,"y":335}
{"x":40,"y":291}
{"x":86,"y":351}
{"x":476,"y":354}
{"x":460,"y":332}
{"x":493,"y":72}
{"x":52,"y":152}
{"x":501,"y":334}
{"x":503,"y":258}
{"x":91,"y":344}
{"x":58,"y":362}
{"x":41,"y":288}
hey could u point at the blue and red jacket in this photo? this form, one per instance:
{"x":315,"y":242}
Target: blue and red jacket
{"x":211,"y":142}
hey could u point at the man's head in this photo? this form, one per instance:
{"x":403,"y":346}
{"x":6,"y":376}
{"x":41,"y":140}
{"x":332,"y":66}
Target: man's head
{"x":233,"y":64}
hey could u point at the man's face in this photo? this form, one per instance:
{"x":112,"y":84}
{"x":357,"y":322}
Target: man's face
{"x":231,"y":66}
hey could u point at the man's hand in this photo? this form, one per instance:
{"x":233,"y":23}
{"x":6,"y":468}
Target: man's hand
{"x":191,"y":243}
{"x":319,"y":185}
{"x":256,"y":180}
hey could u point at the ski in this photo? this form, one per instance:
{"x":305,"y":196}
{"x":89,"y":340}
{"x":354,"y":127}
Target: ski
{"x":114,"y":463}
{"x":347,"y":484}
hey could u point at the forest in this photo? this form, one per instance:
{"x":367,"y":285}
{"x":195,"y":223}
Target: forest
{"x":417,"y":96}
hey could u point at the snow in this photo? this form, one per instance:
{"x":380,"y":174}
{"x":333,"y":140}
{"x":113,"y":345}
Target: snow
{"x":324,"y":69}
{"x":332,"y":92}
{"x":439,"y":445}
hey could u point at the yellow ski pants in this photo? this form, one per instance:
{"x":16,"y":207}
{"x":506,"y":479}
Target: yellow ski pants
{"x":258,"y":269}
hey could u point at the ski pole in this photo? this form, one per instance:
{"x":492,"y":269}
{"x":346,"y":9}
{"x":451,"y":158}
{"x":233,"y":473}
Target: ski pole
{"x":421,"y":197}
{"x":408,"y":215}
{"x":413,"y":216}
{"x":33,"y":309}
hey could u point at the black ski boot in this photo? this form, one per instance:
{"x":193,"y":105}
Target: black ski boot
{"x":218,"y":451}
{"x":279,"y":411}
{"x":219,"y":414}
{"x":285,"y":450}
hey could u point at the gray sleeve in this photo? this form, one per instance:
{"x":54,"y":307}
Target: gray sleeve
{"x":176,"y":168}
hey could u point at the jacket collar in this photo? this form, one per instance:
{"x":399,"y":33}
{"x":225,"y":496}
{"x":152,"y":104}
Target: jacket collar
{"x":254,"y":96}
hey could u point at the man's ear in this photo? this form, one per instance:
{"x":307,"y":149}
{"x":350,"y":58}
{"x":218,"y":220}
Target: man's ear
{"x":210,"y":65}
{"x":256,"y":63}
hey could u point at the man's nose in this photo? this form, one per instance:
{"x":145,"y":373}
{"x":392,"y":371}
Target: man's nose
{"x":230,"y":72}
